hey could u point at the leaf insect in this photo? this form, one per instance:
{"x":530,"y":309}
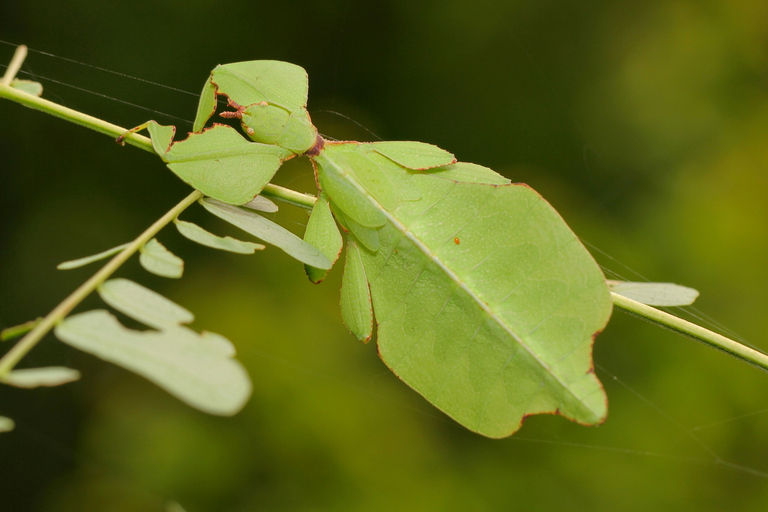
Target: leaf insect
{"x":489,"y":336}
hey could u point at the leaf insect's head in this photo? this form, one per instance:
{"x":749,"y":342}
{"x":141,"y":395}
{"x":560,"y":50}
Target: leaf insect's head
{"x":270,"y":123}
{"x":261,"y":121}
{"x":269,"y":98}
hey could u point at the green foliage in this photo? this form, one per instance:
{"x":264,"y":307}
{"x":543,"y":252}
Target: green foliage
{"x":199,"y":369}
{"x":36,"y":377}
{"x":157,"y":259}
{"x":197,"y":234}
{"x":272,"y":233}
{"x":655,"y":294}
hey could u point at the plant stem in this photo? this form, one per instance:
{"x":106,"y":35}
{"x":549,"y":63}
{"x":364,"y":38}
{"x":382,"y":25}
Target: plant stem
{"x":18,"y":58}
{"x":691,"y":330}
{"x":13,"y":356}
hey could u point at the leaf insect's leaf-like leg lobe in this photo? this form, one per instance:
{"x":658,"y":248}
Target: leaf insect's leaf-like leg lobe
{"x":356,"y":307}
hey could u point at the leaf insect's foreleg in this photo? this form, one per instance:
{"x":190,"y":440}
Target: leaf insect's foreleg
{"x":238,"y":113}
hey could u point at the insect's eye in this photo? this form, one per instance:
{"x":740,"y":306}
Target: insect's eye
{"x":250,"y":131}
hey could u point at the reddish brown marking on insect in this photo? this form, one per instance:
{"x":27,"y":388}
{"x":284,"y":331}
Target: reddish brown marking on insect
{"x":317,"y":148}
{"x":237,"y":114}
{"x":456,"y":241}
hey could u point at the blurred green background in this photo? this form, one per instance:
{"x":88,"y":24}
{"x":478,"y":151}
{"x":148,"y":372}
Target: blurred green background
{"x":642,"y":122}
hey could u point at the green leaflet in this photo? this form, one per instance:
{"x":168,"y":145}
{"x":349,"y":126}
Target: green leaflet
{"x":322,"y":233}
{"x":80,"y":262}
{"x":16,"y":331}
{"x":157,"y":259}
{"x":197,"y":234}
{"x":261,"y":204}
{"x":188,"y":365}
{"x":655,"y":294}
{"x":6,"y":424}
{"x":356,"y":309}
{"x":143,"y":304}
{"x":36,"y":377}
{"x":263,"y":228}
{"x":28,"y":86}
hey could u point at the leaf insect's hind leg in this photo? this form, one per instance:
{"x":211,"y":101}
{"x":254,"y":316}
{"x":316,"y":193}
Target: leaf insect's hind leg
{"x":121,"y":139}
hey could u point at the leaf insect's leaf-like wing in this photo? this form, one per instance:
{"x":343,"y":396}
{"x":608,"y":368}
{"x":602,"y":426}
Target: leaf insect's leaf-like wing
{"x":655,"y":294}
{"x":469,"y":173}
{"x":268,"y":231}
{"x":348,"y":197}
{"x":374,"y":178}
{"x":495,"y":328}
{"x":356,"y":309}
{"x":414,"y":155}
{"x":143,"y":304}
{"x":177,"y":359}
{"x":220,"y":163}
{"x":36,"y":377}
{"x":499,"y":327}
{"x":80,"y":262}
{"x":197,"y":234}
{"x":155,"y":258}
{"x":323,"y":233}
{"x":369,"y":237}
